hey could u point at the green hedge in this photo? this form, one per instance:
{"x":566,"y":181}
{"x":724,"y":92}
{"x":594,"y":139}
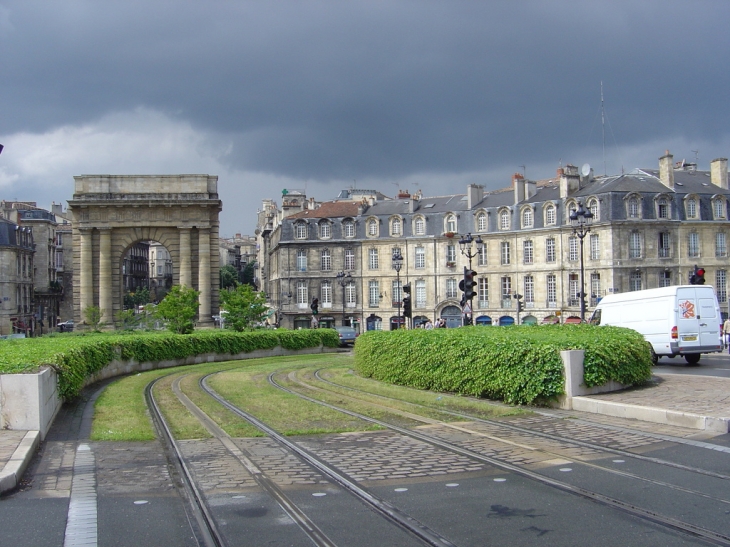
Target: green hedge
{"x":517,"y":364}
{"x":76,"y":357}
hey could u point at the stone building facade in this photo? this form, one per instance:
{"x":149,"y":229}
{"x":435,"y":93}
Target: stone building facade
{"x":112,"y":213}
{"x":17,"y":250}
{"x":650,"y":228}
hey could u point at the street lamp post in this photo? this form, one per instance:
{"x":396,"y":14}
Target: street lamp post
{"x":467,"y":285}
{"x":465,"y":245}
{"x":580,"y":219}
{"x":343,"y":279}
{"x":397,"y":264}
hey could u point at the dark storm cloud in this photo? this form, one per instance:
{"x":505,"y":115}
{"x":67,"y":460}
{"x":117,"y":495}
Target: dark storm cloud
{"x":338,"y":90}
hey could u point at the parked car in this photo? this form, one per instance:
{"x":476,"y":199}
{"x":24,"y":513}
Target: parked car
{"x":66,"y":326}
{"x":347,"y":335}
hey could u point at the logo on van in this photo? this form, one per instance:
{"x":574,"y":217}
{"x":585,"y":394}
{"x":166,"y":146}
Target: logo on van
{"x":687,"y":309}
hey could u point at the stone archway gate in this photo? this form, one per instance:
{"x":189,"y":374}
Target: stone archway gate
{"x":112,"y":212}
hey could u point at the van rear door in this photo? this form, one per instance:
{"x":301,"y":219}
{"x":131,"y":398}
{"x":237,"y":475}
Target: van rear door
{"x":688,"y":326}
{"x":698,"y":320}
{"x":709,"y":318}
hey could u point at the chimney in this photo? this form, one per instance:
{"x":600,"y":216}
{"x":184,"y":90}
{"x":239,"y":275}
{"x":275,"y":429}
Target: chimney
{"x":666,"y":170}
{"x":474,"y":195}
{"x":569,"y":181}
{"x":403,"y":194}
{"x":518,"y":185}
{"x":718,"y":172}
{"x":530,"y":188}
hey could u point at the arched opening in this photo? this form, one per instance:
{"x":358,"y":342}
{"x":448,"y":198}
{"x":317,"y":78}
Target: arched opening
{"x":506,"y":320}
{"x":452,"y":316}
{"x":374,"y":322}
{"x":483,"y":320}
{"x":146,"y":273}
{"x":419,"y":320}
{"x":529,"y":320}
{"x":397,"y":322}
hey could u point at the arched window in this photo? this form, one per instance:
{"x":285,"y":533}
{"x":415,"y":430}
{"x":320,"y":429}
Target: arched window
{"x":300,"y":230}
{"x":527,"y":218}
{"x":593,"y":208}
{"x":662,"y":209}
{"x":550,"y":215}
{"x":691,"y":207}
{"x":633,"y":208}
{"x":482,"y":222}
{"x":325,"y":230}
{"x":451,"y":223}
{"x":718,"y":208}
{"x":419,"y":226}
{"x":504,"y":220}
{"x":348,"y":228}
{"x":395,"y":226}
{"x":373,"y":227}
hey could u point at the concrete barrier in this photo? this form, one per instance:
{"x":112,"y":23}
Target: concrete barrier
{"x":574,"y":386}
{"x":31,"y":401}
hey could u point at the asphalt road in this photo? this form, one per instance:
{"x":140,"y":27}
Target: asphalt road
{"x":711,"y":364}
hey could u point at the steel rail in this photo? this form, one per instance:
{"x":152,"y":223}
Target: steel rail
{"x":315,"y":534}
{"x":550,"y":436}
{"x":384,"y":508}
{"x":203,"y":523}
{"x":651,"y":516}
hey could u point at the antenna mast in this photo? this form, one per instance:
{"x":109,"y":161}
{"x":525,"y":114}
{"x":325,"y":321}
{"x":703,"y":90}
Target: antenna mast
{"x":603,"y":131}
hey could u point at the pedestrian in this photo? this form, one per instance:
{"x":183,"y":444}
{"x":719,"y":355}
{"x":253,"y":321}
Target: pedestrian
{"x":726,"y":333}
{"x":429,"y":325}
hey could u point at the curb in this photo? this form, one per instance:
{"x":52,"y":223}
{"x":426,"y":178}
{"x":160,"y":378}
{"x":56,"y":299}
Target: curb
{"x":652,"y":414}
{"x":15,"y":467}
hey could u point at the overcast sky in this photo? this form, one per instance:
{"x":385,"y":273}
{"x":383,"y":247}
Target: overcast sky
{"x":326,"y":95}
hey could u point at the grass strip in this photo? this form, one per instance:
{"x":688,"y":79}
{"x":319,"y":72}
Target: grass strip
{"x":480,"y":408}
{"x":250,"y":390}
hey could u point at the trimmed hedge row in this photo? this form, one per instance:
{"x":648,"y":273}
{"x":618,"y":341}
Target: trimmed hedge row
{"x":76,"y":357}
{"x":517,"y":364}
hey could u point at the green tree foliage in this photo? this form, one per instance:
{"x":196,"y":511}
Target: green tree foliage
{"x":93,"y":316}
{"x":248,"y":274}
{"x":245,"y":307}
{"x":140,"y":297}
{"x":229,"y":277}
{"x":178,"y":309}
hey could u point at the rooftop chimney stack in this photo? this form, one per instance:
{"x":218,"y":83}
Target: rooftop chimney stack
{"x":569,"y":181}
{"x":518,"y":185}
{"x":666,"y":170}
{"x":474,"y":195}
{"x":718,"y":172}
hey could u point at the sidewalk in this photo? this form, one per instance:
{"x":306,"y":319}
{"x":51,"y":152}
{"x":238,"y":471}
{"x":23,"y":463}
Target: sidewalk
{"x":697,"y":402}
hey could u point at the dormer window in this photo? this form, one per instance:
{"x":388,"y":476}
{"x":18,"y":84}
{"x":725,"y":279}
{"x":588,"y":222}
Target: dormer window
{"x":419,"y":226}
{"x":691,"y":206}
{"x":504,"y":220}
{"x":451,"y":223}
{"x":482,"y":222}
{"x":373,"y":227}
{"x":718,"y":208}
{"x":662,"y":208}
{"x":348,"y":228}
{"x":325,"y":230}
{"x":396,"y":227}
{"x":550,"y":215}
{"x":527,"y":218}
{"x":300,"y":230}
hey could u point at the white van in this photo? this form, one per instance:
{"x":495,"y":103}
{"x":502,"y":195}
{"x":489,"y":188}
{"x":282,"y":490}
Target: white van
{"x":680,"y":320}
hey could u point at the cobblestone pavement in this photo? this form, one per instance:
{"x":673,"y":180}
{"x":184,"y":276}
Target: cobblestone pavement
{"x":9,"y":441}
{"x":707,"y":396}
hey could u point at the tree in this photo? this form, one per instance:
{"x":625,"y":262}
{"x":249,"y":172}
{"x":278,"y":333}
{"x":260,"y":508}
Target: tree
{"x":248,"y":274}
{"x":178,"y":309}
{"x":229,"y":277}
{"x":93,"y":315}
{"x":244,"y":306}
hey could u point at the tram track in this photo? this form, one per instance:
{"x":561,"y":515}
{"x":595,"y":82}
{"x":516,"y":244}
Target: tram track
{"x":205,"y":524}
{"x":646,"y":514}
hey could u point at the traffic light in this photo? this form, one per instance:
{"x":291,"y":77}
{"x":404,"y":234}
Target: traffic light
{"x":467,"y":285}
{"x":407,"y":288}
{"x":518,"y":297}
{"x":407,"y":305}
{"x":697,"y":277}
{"x":315,"y":306}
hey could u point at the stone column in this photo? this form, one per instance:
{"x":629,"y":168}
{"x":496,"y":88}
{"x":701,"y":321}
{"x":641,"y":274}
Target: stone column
{"x":204,"y":286}
{"x":186,"y":274}
{"x":86,"y":274}
{"x":105,"y":275}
